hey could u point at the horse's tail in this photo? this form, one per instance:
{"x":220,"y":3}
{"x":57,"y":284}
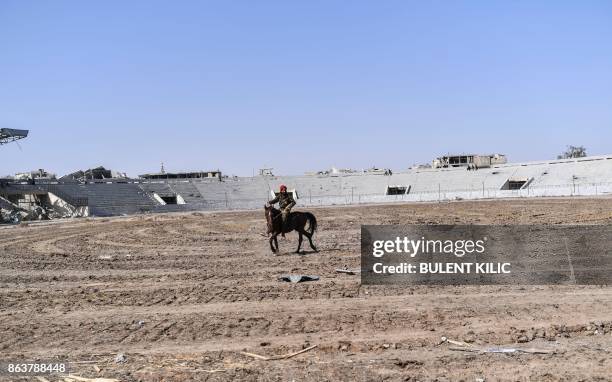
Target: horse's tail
{"x":312,"y":222}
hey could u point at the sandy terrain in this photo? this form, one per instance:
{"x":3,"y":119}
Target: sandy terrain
{"x":182,"y":295}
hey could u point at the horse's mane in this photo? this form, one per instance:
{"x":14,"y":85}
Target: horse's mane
{"x":273,"y":213}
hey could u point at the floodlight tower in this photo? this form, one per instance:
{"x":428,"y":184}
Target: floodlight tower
{"x":11,"y":135}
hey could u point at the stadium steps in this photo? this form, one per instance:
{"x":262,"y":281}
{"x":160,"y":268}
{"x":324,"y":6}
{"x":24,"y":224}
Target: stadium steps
{"x":111,"y":199}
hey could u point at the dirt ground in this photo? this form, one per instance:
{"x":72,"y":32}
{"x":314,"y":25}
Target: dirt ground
{"x":182,"y":295}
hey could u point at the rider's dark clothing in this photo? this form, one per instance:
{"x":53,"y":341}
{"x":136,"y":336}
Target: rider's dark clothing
{"x":285,"y":202}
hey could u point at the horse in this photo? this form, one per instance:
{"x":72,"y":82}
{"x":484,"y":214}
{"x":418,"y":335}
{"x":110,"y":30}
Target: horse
{"x":295,"y":221}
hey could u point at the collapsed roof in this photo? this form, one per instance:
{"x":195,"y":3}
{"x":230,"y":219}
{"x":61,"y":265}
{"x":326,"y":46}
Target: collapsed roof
{"x":11,"y":135}
{"x":92,"y":173}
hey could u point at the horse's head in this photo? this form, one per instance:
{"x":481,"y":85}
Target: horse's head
{"x":268,"y":212}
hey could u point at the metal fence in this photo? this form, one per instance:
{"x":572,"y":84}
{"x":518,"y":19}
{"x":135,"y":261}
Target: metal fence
{"x":352,"y":198}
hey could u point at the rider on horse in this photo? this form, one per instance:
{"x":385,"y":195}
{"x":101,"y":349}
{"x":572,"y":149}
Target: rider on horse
{"x":285,"y":202}
{"x":291,"y":221}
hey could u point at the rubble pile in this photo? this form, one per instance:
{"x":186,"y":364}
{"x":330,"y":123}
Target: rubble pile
{"x":12,"y":214}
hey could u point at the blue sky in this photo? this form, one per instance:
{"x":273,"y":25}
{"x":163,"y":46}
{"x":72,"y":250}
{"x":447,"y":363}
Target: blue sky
{"x":300,"y":86}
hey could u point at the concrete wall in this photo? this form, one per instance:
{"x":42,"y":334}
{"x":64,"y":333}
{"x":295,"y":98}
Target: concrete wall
{"x":584,"y":176}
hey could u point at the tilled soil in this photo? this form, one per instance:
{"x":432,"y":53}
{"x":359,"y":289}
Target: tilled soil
{"x":182,"y":295}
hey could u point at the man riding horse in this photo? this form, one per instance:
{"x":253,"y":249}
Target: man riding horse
{"x":285,"y":202}
{"x":284,"y":220}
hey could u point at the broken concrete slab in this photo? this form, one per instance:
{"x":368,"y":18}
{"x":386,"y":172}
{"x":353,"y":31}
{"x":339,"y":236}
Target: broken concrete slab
{"x":298,"y":278}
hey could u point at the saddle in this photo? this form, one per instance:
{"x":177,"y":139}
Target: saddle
{"x":276,"y":217}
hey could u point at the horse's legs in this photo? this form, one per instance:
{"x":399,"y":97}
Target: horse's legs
{"x":299,"y":242}
{"x":276,"y":242}
{"x":271,"y":246}
{"x":309,"y":236}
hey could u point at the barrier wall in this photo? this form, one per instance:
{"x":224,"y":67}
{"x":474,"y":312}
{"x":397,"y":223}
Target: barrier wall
{"x":590,"y":176}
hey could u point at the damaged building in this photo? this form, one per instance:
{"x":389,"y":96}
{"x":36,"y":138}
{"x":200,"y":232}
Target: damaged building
{"x":93,"y":174}
{"x":183,"y":175}
{"x":102,"y":196}
{"x":39,"y":195}
{"x":12,"y":135}
{"x":469,"y":160}
{"x":27,"y":202}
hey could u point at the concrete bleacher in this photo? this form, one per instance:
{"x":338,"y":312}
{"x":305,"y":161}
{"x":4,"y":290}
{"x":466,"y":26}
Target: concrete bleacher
{"x":162,"y":189}
{"x":582,"y":176}
{"x":190,"y":192}
{"x":108,"y":199}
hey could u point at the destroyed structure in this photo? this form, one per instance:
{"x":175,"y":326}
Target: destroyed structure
{"x":33,"y":175}
{"x":11,"y":135}
{"x":469,"y":160}
{"x":183,"y":175}
{"x":102,"y":192}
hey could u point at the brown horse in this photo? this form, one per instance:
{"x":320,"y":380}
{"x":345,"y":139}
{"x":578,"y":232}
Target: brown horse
{"x":295,"y":221}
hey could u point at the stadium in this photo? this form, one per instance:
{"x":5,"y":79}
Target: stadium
{"x":167,"y":275}
{"x":101,"y":192}
{"x":394,"y":191}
